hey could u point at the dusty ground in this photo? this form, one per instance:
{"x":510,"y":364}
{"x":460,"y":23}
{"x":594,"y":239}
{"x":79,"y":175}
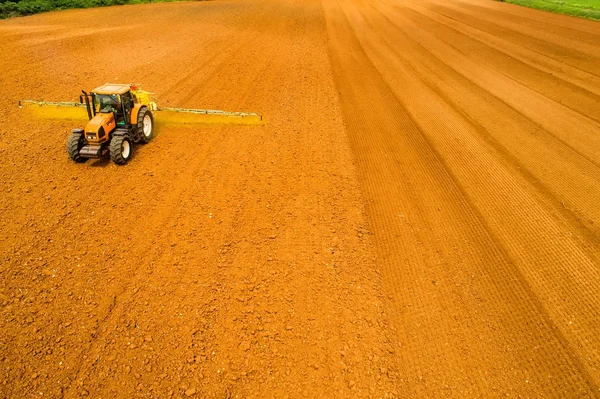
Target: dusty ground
{"x":419,"y":215}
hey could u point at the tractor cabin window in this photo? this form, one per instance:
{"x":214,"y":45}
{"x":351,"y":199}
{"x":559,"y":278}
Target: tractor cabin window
{"x":108,"y":103}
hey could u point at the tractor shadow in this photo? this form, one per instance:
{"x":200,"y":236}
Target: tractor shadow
{"x":105,"y":160}
{"x":101,"y":162}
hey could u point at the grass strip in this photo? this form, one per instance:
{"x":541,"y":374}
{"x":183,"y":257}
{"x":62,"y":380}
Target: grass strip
{"x":589,"y":9}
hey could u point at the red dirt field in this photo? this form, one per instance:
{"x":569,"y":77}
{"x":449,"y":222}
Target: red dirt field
{"x":418,"y":216}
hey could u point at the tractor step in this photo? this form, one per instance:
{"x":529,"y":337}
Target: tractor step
{"x":91,"y":151}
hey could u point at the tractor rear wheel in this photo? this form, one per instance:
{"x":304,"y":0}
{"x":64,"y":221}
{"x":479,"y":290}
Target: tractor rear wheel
{"x":145,"y":125}
{"x":75,"y":142}
{"x":120,"y":149}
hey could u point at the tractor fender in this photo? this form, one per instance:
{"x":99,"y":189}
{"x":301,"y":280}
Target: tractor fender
{"x":122,"y":132}
{"x":135,"y":112}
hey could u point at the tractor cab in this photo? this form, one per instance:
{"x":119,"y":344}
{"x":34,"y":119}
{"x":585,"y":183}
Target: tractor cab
{"x":112,"y":98}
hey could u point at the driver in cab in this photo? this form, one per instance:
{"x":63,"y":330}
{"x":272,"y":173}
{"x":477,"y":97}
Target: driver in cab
{"x":111,"y":103}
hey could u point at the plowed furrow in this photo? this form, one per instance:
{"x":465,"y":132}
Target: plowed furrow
{"x":558,"y":51}
{"x":514,"y":136}
{"x":542,"y":62}
{"x":432,"y":274}
{"x":427,"y":125}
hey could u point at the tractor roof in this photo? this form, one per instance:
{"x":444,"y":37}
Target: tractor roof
{"x":112,"y":88}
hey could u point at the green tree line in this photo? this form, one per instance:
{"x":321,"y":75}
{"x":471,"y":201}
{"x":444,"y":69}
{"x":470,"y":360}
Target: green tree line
{"x":17,"y":8}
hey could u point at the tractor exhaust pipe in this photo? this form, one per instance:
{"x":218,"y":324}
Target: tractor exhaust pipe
{"x":87,"y":104}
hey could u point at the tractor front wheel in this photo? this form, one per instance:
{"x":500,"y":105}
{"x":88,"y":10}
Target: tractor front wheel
{"x":74,"y":144}
{"x":120,"y":149}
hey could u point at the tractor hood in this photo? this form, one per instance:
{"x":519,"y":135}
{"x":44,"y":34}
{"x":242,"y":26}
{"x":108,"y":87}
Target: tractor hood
{"x":99,"y":127}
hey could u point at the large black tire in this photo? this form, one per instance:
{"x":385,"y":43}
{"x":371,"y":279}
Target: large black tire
{"x":75,"y":142}
{"x":145,"y":125}
{"x":121,"y":148}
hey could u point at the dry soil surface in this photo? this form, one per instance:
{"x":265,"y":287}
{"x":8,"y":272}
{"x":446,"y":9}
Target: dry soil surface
{"x":419,"y":215}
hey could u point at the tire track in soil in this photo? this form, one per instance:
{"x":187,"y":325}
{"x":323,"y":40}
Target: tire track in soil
{"x":222,"y":56}
{"x":553,"y":117}
{"x":552,"y":46}
{"x":159,"y":229}
{"x":502,"y":126}
{"x":386,"y":151}
{"x":577,"y":99}
{"x":577,"y":271}
{"x":92,"y":369}
{"x":128,"y":180}
{"x":131,"y":179}
{"x":95,"y":184}
{"x":584,"y":81}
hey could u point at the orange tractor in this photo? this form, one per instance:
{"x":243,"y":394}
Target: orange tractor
{"x":118,"y":119}
{"x":121,"y":115}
